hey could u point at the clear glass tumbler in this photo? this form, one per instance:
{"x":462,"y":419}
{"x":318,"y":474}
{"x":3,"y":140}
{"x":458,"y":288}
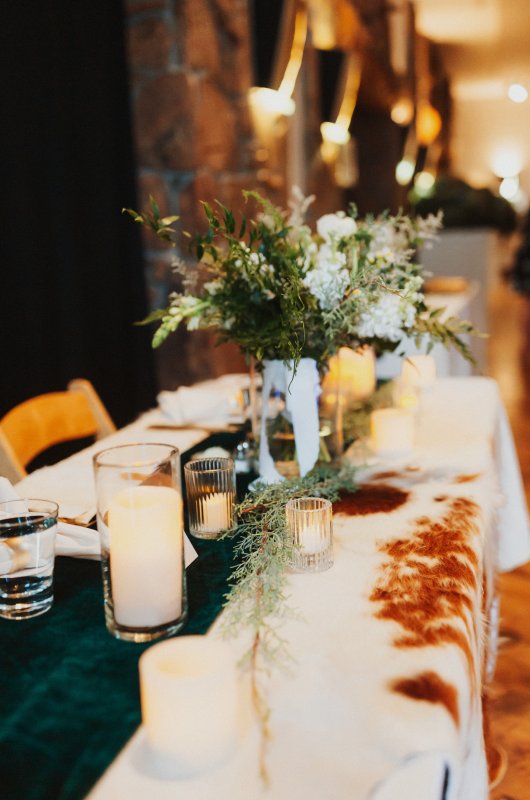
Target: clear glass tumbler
{"x":140,"y":522}
{"x":210,"y":494}
{"x":27,"y":557}
{"x":310,"y":523}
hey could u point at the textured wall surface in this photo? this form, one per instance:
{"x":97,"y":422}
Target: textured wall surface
{"x":190,"y":69}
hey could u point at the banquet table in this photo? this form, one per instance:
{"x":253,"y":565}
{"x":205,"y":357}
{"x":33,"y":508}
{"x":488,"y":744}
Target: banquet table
{"x":391,"y":648}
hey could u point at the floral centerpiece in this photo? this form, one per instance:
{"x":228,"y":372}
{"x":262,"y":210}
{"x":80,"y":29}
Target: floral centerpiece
{"x":290,"y":297}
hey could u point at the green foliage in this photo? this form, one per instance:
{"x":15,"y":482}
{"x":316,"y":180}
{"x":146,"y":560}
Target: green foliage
{"x":257,"y":600}
{"x":257,"y":597}
{"x":279,"y":291}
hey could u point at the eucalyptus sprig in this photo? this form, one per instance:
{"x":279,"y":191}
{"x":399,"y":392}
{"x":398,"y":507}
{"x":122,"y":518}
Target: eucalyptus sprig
{"x":257,"y":600}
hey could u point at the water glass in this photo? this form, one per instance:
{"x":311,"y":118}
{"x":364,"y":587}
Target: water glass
{"x":140,"y":522}
{"x":309,"y":521}
{"x":211,"y":494}
{"x":27,"y":555}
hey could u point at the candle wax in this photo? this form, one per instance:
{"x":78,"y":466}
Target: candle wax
{"x":145,"y":530}
{"x":216,"y":512}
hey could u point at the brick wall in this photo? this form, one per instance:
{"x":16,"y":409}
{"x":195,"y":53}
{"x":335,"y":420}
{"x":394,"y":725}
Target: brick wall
{"x":190,"y":69}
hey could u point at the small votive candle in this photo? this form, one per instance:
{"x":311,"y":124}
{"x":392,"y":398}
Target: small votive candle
{"x":309,"y":521}
{"x":392,"y":431}
{"x":419,"y":372}
{"x":216,"y":512}
{"x":189,"y":700}
{"x":211,"y":492}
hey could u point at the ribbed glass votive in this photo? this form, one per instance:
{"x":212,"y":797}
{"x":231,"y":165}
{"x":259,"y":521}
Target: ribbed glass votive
{"x":309,"y":520}
{"x":211,"y":493}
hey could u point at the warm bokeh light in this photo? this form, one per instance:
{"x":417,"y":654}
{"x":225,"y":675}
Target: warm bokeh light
{"x":334,"y":133}
{"x":428,"y":124}
{"x":404,"y":171}
{"x":509,"y":188}
{"x":271,"y":101}
{"x":402,"y":111}
{"x":517,"y":93}
{"x":506,"y":162}
{"x":423,"y":183}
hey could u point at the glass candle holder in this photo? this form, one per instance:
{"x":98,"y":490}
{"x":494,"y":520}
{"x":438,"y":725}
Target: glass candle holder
{"x":140,"y":523}
{"x":210,"y":494}
{"x":309,"y":521}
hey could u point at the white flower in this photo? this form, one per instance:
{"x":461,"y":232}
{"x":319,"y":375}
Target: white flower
{"x":386,"y":319}
{"x":336,"y":226}
{"x":212,"y":287}
{"x":328,"y":280}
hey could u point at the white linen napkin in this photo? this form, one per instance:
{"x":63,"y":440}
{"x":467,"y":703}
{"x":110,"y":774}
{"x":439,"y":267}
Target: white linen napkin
{"x":218,"y":400}
{"x":75,"y":540}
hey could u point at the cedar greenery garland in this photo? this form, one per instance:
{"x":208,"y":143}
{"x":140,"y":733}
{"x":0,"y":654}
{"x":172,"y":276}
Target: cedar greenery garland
{"x":257,"y":599}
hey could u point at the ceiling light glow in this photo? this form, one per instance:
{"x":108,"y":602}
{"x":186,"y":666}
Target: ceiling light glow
{"x":517,"y":93}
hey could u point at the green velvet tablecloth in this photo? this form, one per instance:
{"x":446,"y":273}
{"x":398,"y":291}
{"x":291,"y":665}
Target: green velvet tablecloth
{"x":69,"y":696}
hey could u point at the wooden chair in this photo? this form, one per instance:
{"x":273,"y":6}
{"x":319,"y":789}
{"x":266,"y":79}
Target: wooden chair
{"x":48,"y":419}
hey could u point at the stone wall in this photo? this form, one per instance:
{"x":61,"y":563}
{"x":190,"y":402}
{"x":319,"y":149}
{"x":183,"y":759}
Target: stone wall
{"x":190,"y":69}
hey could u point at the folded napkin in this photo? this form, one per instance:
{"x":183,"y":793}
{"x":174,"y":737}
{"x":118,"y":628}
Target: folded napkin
{"x":219,"y":400}
{"x":71,"y":540}
{"x":77,"y":541}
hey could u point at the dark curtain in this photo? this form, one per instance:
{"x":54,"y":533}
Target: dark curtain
{"x":72,"y":282}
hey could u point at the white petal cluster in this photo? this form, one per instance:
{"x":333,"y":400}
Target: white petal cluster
{"x":336,"y":226}
{"x":386,"y":318}
{"x":329,"y":279}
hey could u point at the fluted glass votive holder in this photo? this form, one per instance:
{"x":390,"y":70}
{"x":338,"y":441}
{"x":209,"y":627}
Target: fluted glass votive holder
{"x":310,"y":523}
{"x":211,"y":494}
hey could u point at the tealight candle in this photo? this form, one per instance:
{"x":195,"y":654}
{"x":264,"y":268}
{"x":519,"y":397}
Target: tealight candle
{"x":189,"y":700}
{"x":216,"y":512}
{"x":419,"y":371}
{"x":145,"y":530}
{"x":211,"y":491}
{"x":309,"y":520}
{"x":392,"y":431}
{"x":311,"y":540}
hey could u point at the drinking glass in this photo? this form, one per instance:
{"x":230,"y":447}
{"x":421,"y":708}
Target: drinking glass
{"x":140,"y":522}
{"x":27,"y":557}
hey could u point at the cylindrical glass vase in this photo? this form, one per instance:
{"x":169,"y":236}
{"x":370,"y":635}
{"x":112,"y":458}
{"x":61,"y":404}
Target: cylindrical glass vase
{"x":210,"y":494}
{"x":309,"y":521}
{"x":140,"y":523}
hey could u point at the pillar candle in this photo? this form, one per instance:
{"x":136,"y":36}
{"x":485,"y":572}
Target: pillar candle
{"x":352,"y":373}
{"x":145,"y":530}
{"x":419,"y":371}
{"x":392,"y":431}
{"x":188,"y":689}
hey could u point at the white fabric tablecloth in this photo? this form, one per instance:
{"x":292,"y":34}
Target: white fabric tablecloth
{"x":448,"y":360}
{"x":341,"y":728}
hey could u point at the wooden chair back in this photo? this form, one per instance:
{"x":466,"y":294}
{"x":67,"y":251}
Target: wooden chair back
{"x":49,"y":419}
